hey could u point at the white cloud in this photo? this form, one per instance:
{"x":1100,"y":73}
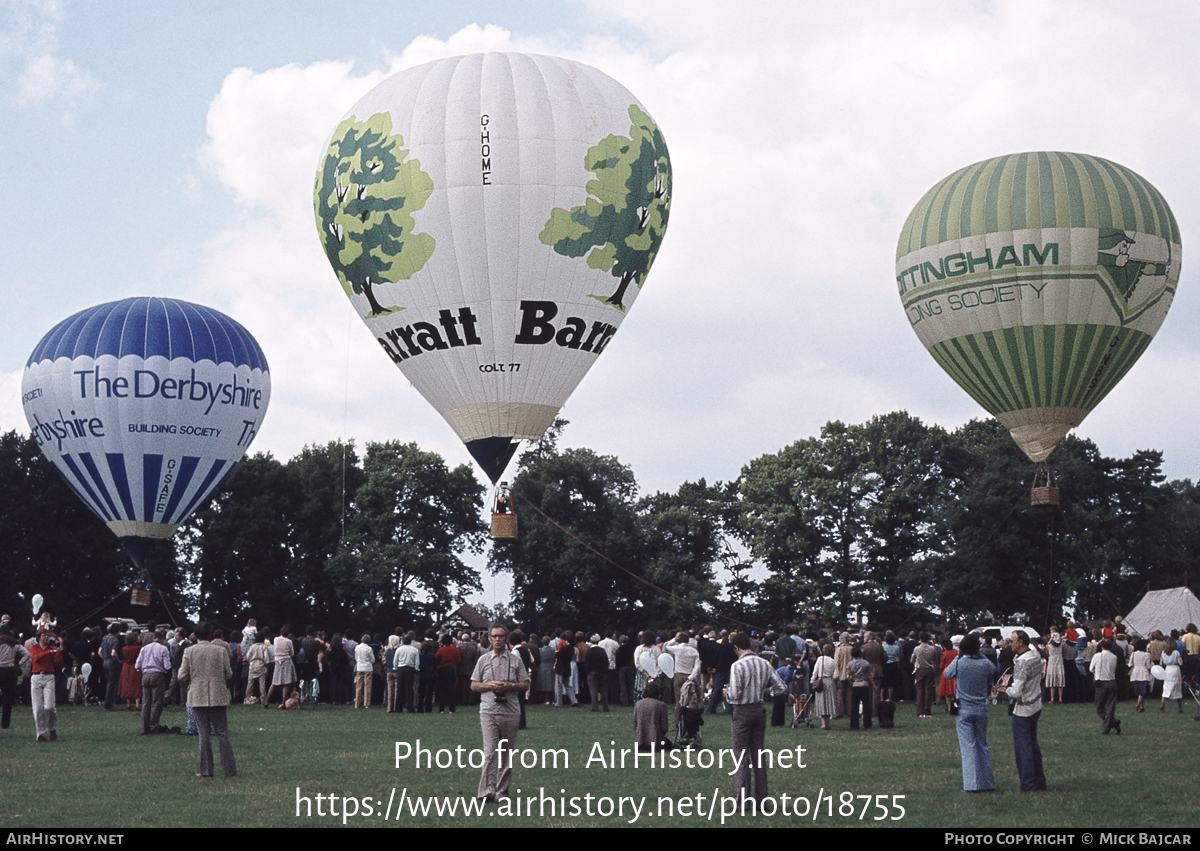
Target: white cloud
{"x":800,"y":140}
{"x":47,"y":78}
{"x":470,"y":39}
{"x":265,"y":129}
{"x":29,"y":26}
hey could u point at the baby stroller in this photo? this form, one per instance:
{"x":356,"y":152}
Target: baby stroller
{"x":691,"y":716}
{"x":800,"y":713}
{"x":310,"y":691}
{"x":1191,"y":685}
{"x":998,"y":690}
{"x":79,"y":692}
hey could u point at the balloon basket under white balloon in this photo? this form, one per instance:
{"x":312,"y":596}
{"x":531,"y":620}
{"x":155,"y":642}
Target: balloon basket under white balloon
{"x":504,"y":527}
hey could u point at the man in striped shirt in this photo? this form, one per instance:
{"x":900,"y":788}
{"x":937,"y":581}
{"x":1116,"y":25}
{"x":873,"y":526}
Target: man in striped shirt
{"x":749,"y":677}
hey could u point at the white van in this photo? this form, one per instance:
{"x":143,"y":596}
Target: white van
{"x":998,"y":633}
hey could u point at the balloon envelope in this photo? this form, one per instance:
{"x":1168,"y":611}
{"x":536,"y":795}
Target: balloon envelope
{"x":493,"y":218}
{"x":1036,"y":280}
{"x":143,"y":406}
{"x":37,"y":603}
{"x":86,"y":669}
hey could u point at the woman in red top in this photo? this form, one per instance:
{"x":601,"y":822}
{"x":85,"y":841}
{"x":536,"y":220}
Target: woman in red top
{"x":945,"y":686}
{"x":45,"y":657}
{"x":131,"y":680}
{"x":448,"y":658}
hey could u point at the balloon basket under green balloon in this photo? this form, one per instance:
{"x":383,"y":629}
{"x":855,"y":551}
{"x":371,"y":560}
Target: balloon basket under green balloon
{"x":1044,"y":490}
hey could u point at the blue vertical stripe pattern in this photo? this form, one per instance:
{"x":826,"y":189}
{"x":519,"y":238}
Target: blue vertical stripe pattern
{"x":144,"y":405}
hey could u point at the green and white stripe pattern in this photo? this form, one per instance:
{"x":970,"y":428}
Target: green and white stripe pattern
{"x":1036,"y":280}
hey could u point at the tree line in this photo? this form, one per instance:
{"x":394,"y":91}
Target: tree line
{"x":891,"y":520}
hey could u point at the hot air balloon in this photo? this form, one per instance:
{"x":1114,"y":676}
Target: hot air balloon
{"x":493,"y":218}
{"x":143,"y":406}
{"x":1036,"y":280}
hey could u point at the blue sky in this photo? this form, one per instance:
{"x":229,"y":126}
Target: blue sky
{"x":168,"y":149}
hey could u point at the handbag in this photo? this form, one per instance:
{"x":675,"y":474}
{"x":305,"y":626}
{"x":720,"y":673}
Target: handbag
{"x":818,"y":681}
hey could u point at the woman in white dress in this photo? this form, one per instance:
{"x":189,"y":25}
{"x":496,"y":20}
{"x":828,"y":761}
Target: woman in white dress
{"x":1173,"y":681}
{"x":824,"y":672}
{"x":1056,"y":675}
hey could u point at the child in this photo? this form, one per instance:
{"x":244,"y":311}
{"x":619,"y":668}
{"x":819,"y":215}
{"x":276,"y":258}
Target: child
{"x":650,"y":721}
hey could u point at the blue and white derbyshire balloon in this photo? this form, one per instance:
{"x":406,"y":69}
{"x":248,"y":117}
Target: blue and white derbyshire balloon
{"x":143,"y":406}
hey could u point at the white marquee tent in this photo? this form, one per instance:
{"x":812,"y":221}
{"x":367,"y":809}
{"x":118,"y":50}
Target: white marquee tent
{"x":1171,"y":608}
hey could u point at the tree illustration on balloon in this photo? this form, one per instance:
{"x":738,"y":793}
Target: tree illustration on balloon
{"x":365,"y":196}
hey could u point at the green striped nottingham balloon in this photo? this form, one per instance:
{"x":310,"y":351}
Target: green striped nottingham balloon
{"x":1036,"y":280}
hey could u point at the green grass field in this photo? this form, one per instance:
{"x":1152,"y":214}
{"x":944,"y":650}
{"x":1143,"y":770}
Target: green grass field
{"x":102,"y":774}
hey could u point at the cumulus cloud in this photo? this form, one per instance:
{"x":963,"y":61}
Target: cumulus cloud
{"x":29,"y":36}
{"x":47,"y":78}
{"x":265,"y":129}
{"x":29,"y":26}
{"x":799,"y":146}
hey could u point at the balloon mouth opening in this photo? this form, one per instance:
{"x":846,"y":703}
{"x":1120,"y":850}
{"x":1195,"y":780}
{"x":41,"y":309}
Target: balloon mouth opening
{"x":136,"y":548}
{"x":1038,"y":430}
{"x":493,"y":454}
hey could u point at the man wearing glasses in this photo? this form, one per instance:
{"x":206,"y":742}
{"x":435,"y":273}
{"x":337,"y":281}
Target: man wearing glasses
{"x":498,"y":677}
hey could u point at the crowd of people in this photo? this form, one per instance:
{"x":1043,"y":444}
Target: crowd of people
{"x":824,"y":675}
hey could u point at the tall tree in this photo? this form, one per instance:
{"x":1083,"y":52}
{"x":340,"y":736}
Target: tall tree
{"x":908,"y":484}
{"x":993,"y":558}
{"x":413,"y":521}
{"x":238,"y":547}
{"x":51,"y":544}
{"x":683,"y":544}
{"x":1113,"y":523}
{"x":578,"y":523}
{"x":325,"y":482}
{"x":778,"y":519}
{"x":838,"y":476}
{"x":1179,"y":544}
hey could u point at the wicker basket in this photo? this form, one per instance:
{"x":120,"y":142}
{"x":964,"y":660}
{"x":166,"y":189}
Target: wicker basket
{"x":504,"y":527}
{"x":140,"y":597}
{"x":1043,"y":496}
